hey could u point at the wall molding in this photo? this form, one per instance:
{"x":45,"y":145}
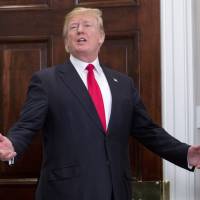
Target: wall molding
{"x":178,"y":88}
{"x":108,"y":3}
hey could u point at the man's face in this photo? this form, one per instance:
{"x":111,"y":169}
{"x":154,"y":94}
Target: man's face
{"x":84,"y":37}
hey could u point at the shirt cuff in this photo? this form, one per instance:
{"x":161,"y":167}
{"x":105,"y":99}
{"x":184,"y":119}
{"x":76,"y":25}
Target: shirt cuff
{"x":11,"y":161}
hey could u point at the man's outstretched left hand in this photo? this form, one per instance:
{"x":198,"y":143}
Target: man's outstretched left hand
{"x":194,"y":156}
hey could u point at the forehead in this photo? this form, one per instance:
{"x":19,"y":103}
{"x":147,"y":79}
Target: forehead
{"x":84,"y":17}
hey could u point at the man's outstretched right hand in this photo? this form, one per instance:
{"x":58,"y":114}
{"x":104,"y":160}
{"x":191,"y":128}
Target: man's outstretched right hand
{"x":7,"y":151}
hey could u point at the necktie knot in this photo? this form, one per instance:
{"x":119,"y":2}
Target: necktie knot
{"x":90,"y":67}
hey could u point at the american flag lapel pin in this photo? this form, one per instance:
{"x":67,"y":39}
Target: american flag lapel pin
{"x":115,"y":80}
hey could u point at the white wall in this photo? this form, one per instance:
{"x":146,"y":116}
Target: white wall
{"x":196,"y":17}
{"x":178,"y":93}
{"x":196,"y":56}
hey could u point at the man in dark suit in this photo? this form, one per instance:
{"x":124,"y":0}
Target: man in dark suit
{"x":87,"y":113}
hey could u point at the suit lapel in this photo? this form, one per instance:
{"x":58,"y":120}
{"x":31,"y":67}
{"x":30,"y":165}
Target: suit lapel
{"x":72,"y":81}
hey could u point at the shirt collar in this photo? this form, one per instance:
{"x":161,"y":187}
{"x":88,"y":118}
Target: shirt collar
{"x":81,"y":65}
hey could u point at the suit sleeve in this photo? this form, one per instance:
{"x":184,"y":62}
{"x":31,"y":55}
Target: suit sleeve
{"x":154,"y":137}
{"x":32,"y":116}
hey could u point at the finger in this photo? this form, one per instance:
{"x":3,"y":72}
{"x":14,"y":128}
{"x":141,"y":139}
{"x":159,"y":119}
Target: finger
{"x":197,"y":147}
{"x":6,"y":152}
{"x":4,"y":155}
{"x":7,"y":155}
{"x":11,"y":155}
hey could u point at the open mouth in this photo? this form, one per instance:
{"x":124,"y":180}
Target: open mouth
{"x":81,"y":40}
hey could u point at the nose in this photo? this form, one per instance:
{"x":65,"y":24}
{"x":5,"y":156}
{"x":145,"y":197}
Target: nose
{"x":80,"y":28}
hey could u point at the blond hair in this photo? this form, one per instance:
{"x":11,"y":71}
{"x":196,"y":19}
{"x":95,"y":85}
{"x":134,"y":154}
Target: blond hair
{"x":81,"y":10}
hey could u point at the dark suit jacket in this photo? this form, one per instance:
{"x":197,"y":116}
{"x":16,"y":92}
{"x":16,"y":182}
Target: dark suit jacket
{"x":80,"y":162}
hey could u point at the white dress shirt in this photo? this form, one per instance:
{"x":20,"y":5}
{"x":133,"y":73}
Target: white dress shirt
{"x":100,"y":77}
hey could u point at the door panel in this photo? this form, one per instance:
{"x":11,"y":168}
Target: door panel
{"x":31,"y":39}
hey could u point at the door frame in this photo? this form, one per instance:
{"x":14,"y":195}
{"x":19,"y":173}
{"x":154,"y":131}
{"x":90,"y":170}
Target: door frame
{"x":178,"y":88}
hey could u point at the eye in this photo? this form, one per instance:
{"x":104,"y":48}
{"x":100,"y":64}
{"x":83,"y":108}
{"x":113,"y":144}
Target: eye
{"x":73,"y":27}
{"x":87,"y":25}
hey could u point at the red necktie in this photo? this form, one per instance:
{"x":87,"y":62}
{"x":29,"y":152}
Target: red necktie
{"x":95,"y":94}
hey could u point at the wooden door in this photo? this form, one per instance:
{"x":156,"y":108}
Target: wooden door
{"x":31,"y":39}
